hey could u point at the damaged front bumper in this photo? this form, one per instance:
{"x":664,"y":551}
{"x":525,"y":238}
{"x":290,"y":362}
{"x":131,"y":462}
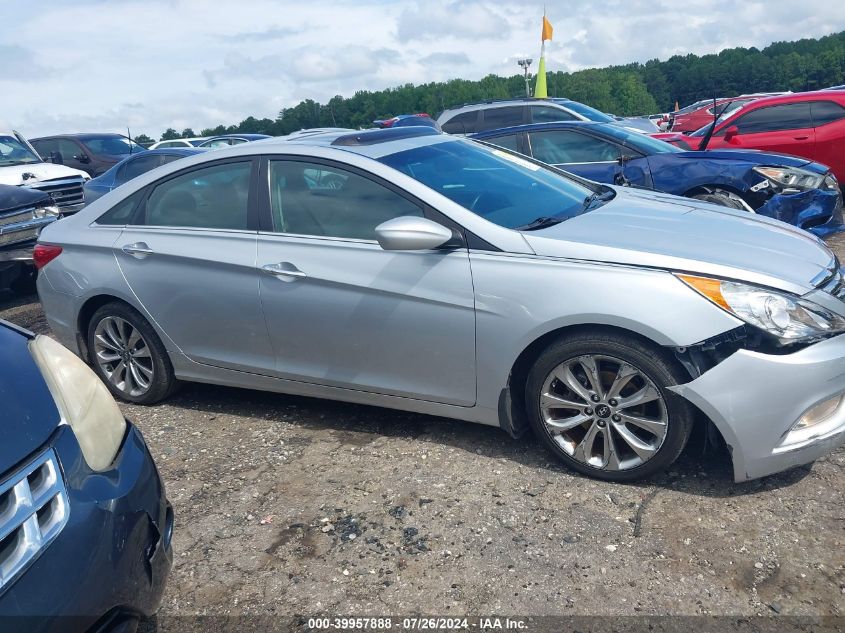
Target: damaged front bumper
{"x":110,"y":563}
{"x":817,"y":210}
{"x":756,"y":399}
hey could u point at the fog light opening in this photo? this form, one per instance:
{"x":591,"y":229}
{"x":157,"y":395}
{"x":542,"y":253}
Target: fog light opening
{"x":818,"y":421}
{"x":819,"y":413}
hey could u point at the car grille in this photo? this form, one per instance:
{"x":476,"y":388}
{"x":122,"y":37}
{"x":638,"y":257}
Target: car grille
{"x":67,"y":193}
{"x":832,"y":280}
{"x":33,"y":510}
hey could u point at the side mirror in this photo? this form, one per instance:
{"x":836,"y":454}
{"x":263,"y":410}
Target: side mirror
{"x":409,"y":233}
{"x":56,"y":158}
{"x":82,"y":158}
{"x":730,"y":133}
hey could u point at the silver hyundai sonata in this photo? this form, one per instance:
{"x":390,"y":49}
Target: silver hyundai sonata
{"x":409,"y":269}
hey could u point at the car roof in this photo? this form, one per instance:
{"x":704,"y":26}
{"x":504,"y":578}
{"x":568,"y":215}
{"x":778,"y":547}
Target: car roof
{"x":247,"y":136}
{"x":185,"y":151}
{"x":790,"y":97}
{"x":535,"y":127}
{"x":79,"y":135}
{"x":373,"y":143}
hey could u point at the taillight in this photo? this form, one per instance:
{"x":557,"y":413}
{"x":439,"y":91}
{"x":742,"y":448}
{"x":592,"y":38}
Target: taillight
{"x":43,"y":254}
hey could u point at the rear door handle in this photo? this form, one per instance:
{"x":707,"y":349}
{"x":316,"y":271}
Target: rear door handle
{"x":138,"y":249}
{"x":284,"y":269}
{"x":801,"y":138}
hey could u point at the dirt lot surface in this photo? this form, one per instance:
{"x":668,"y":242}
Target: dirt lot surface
{"x":289,"y":505}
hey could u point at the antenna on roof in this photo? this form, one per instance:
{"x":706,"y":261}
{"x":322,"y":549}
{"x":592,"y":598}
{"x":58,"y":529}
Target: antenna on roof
{"x":129,"y":136}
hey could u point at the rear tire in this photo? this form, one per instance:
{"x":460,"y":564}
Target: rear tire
{"x":128,"y":356}
{"x":599,"y":401}
{"x":24,"y":283}
{"x":720,"y":199}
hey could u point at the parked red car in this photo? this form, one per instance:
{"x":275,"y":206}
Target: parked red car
{"x":806,"y":124}
{"x":702,"y":115}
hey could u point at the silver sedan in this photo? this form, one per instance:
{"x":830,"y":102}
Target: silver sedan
{"x":409,"y":269}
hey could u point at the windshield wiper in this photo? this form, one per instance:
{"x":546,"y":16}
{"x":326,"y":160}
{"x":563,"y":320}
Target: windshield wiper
{"x":540,"y":223}
{"x":596,"y":197}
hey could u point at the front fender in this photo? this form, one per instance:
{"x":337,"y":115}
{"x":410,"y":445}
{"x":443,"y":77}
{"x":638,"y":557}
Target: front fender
{"x":817,"y":211}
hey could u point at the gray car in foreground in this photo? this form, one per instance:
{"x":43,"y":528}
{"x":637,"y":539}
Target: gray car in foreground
{"x":410,"y":269}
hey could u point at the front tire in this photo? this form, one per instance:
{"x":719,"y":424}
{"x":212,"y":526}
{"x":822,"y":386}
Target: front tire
{"x":599,"y":402}
{"x":723,"y":200}
{"x":128,"y":355}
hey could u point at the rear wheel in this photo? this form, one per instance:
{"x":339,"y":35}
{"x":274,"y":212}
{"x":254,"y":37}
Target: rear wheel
{"x":24,"y":283}
{"x":599,"y":401}
{"x":128,"y":355}
{"x":722,"y":199}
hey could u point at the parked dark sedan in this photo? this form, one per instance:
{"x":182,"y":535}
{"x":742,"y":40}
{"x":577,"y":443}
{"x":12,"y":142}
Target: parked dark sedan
{"x":132,"y":167}
{"x":787,"y":188}
{"x":92,"y":153}
{"x":23,"y":213}
{"x":85,"y":526}
{"x":225,"y":140}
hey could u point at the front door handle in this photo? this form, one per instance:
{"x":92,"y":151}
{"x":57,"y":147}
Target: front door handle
{"x":284,"y":269}
{"x":138,"y":249}
{"x":801,"y":138}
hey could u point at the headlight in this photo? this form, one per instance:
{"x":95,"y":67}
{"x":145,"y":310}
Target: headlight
{"x":83,"y":401}
{"x":792,"y":177}
{"x":786,"y":316}
{"x":45,"y":212}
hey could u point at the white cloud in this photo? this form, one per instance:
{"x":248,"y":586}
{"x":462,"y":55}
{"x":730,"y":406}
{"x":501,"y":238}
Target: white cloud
{"x":151,"y":64}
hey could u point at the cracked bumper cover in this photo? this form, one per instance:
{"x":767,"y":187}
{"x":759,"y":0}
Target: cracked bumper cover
{"x":755,"y":399}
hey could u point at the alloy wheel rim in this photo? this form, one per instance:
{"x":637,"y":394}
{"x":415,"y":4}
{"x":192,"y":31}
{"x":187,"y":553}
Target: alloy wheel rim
{"x":604,"y":412}
{"x":123,"y":356}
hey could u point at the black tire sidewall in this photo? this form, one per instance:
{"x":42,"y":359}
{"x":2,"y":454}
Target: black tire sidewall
{"x":722,"y":201}
{"x":163,"y":381}
{"x":651,"y":361}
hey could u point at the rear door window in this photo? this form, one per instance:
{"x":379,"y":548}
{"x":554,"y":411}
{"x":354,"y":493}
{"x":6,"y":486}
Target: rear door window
{"x":215,"y":197}
{"x":136,"y":167}
{"x":789,"y":116}
{"x":494,"y":118}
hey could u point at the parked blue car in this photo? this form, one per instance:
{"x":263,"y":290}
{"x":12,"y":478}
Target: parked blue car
{"x":132,"y":167}
{"x":794,"y":190}
{"x":85,"y":526}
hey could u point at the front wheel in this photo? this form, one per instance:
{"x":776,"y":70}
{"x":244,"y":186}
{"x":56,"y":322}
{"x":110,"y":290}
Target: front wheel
{"x":128,"y":355}
{"x":722,"y":199}
{"x":599,"y":401}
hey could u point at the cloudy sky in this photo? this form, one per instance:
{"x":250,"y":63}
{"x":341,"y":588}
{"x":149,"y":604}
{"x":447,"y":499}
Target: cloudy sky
{"x":100,"y":65}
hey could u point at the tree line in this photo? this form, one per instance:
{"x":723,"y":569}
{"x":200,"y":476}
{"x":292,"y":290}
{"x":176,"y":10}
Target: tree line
{"x":627,"y":90}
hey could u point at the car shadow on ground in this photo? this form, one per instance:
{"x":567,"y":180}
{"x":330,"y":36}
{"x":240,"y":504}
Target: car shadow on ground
{"x":704,"y":469}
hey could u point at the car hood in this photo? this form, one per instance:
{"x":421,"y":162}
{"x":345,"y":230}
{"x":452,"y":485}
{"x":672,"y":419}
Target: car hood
{"x":29,"y":415}
{"x":643,"y":228}
{"x":754,"y":156}
{"x":12,"y":198}
{"x":14,"y":174}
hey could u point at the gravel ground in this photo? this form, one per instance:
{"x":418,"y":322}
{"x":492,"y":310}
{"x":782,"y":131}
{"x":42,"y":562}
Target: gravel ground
{"x":288,"y":505}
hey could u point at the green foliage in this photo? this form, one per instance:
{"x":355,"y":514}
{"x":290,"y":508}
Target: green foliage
{"x":170,"y":134}
{"x":631,"y":89}
{"x":143,"y":139}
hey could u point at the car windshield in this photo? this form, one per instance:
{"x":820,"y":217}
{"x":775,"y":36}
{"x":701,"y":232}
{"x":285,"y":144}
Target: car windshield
{"x":13,"y":152}
{"x":729,"y":110}
{"x":638,"y":141}
{"x":584,"y":110}
{"x":113,"y":145}
{"x":500,"y":187}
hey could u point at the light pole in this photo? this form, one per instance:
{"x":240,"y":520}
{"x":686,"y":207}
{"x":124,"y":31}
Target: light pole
{"x":525,"y":63}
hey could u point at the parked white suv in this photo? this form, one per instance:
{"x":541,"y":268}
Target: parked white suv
{"x":21,"y":166}
{"x":179,"y":142}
